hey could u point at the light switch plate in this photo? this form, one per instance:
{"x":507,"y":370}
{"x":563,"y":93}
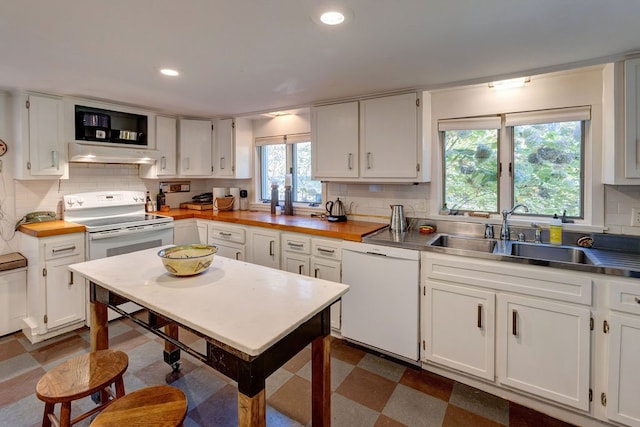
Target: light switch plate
{"x":635,"y":217}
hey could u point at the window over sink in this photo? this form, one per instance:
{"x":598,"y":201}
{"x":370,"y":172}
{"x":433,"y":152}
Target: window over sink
{"x":535,"y":158}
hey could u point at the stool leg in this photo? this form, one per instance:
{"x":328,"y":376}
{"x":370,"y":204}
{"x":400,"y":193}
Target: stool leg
{"x":119,"y":387}
{"x":48,"y":409}
{"x":65,"y":414}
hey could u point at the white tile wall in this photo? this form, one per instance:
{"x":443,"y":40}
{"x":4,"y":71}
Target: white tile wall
{"x":618,"y":202}
{"x":370,"y":202}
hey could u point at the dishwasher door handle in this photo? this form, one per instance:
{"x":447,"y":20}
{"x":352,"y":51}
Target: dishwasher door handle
{"x":375,"y":253}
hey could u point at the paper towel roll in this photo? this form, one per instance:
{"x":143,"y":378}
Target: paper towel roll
{"x":235,"y":192}
{"x":218,"y":192}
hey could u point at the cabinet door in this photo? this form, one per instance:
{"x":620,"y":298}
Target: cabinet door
{"x":47,"y":155}
{"x":334,"y":141}
{"x":295,"y":263}
{"x":632,"y":117}
{"x":389,"y":137}
{"x":624,"y":370}
{"x":203,"y":228}
{"x":195,"y":147}
{"x":543,"y":349}
{"x":329,"y":270}
{"x":185,"y":232}
{"x":166,"y":144}
{"x":65,"y":293}
{"x":223,"y":159}
{"x":236,"y":252}
{"x":459,"y":328}
{"x":265,"y":248}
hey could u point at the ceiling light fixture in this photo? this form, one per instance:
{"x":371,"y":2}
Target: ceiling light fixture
{"x":510,"y":83}
{"x":332,"y":17}
{"x":169,"y":72}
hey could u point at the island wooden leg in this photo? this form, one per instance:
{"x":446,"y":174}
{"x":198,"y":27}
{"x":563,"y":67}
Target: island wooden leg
{"x":321,"y":381}
{"x":252,"y":410}
{"x":171,"y":352}
{"x":99,"y":332}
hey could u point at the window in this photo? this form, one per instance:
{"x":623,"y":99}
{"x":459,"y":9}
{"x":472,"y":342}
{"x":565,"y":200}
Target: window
{"x":280,"y":155}
{"x":545,"y":167}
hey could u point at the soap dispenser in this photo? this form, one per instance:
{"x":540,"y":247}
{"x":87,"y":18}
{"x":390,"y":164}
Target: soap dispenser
{"x":555,"y":230}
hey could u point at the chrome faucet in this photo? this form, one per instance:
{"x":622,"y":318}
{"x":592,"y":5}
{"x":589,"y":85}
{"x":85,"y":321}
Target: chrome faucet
{"x":538,"y":232}
{"x":505,"y":233}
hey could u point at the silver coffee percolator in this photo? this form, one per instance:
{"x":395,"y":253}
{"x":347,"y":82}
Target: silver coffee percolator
{"x":398,"y":223}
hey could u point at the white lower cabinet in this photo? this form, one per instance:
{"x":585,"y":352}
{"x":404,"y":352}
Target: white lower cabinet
{"x":461,"y":328}
{"x":185,"y":232}
{"x":56,"y":300}
{"x":520,"y":327}
{"x":229,"y":239}
{"x":623,"y":331}
{"x":265,"y":247}
{"x":544,"y":348}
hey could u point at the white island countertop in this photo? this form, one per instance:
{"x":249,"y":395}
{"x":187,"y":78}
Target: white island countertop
{"x":246,"y":306}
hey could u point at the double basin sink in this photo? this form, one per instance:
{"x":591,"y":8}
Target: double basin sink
{"x":543,"y":252}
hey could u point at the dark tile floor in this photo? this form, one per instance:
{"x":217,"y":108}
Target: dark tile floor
{"x":367,"y":390}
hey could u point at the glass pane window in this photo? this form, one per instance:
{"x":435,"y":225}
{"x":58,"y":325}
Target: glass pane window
{"x":471,"y":170}
{"x":547,"y":172}
{"x":276,"y":160}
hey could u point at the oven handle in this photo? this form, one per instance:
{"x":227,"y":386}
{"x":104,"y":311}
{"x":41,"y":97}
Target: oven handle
{"x":128,"y":231}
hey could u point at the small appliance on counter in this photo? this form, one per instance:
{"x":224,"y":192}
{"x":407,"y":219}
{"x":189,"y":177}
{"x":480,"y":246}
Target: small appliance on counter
{"x":244,"y":200}
{"x":397,"y":222}
{"x":336,"y":211}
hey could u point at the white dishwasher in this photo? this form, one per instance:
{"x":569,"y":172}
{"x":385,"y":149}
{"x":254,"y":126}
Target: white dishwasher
{"x":381,"y":309}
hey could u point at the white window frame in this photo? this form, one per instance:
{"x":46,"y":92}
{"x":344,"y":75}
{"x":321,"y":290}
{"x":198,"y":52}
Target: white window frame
{"x":506,"y":146}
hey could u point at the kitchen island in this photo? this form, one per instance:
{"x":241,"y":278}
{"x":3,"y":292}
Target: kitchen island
{"x":253,"y":319}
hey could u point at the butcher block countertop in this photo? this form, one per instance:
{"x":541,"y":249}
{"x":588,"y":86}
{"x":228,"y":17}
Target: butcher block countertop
{"x":51,"y":228}
{"x":349,"y":230}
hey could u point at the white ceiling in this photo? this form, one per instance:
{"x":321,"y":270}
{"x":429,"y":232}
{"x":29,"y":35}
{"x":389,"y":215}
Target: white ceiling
{"x":247,"y":56}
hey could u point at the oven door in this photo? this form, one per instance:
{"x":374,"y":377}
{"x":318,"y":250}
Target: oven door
{"x":102,"y":245}
{"x":105,"y":244}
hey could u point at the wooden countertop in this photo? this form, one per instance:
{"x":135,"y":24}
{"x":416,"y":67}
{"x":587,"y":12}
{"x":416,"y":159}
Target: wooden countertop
{"x":51,"y":228}
{"x":350,"y":230}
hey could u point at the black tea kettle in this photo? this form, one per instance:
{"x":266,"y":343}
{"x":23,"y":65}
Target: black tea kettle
{"x":336,"y":211}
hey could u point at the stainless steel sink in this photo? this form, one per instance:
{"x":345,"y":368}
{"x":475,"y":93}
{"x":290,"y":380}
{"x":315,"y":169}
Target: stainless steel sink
{"x":550,"y":253}
{"x":466,"y":243}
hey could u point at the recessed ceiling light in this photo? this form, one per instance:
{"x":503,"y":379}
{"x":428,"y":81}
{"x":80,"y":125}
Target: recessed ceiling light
{"x":510,"y":83}
{"x":332,"y":17}
{"x":169,"y":72}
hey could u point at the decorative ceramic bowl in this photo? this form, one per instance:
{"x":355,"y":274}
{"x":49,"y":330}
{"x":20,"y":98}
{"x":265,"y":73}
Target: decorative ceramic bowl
{"x":187,"y":260}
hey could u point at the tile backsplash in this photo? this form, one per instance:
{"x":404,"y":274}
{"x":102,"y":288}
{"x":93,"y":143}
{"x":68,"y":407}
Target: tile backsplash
{"x":618,"y":203}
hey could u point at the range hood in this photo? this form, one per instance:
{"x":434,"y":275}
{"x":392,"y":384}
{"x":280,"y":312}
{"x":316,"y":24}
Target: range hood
{"x":80,"y":152}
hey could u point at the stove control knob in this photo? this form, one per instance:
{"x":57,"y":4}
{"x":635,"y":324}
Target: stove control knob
{"x":80,"y":201}
{"x":70,"y":202}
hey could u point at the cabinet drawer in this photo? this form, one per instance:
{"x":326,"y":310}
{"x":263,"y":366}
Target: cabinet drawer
{"x":296,"y":244}
{"x":227,"y":233}
{"x":329,"y":249}
{"x":625,"y":296}
{"x":63,"y":248}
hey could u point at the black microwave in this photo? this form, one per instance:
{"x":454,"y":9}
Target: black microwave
{"x":98,"y":125}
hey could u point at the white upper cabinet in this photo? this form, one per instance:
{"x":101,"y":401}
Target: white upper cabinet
{"x":621,"y":123}
{"x":374,"y":140}
{"x":389,"y":137}
{"x":195,"y":147}
{"x":334,"y":136}
{"x":38,"y":145}
{"x":166,"y":144}
{"x":234,"y":141}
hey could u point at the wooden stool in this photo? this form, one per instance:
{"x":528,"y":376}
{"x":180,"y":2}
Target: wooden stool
{"x":80,"y":377}
{"x":158,"y":406}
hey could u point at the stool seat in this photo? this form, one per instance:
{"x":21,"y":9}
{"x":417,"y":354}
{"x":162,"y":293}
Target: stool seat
{"x":159,"y":406}
{"x":79,"y":377}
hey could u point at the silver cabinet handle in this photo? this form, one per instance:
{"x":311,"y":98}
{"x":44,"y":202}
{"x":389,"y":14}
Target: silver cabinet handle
{"x":186,"y":163}
{"x":316,"y":273}
{"x":70,"y":278}
{"x":163,"y":163}
{"x":300,"y":268}
{"x":65,"y":249}
{"x":223,"y":163}
{"x":271,"y":246}
{"x":514,"y":323}
{"x":238,"y":255}
{"x":369,"y":156}
{"x":479,"y":316}
{"x":350,"y":161}
{"x":54,"y":159}
{"x":295,"y":245}
{"x":327,"y":251}
{"x":223,"y":234}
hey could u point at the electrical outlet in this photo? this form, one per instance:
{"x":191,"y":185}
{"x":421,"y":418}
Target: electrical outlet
{"x":635,"y":217}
